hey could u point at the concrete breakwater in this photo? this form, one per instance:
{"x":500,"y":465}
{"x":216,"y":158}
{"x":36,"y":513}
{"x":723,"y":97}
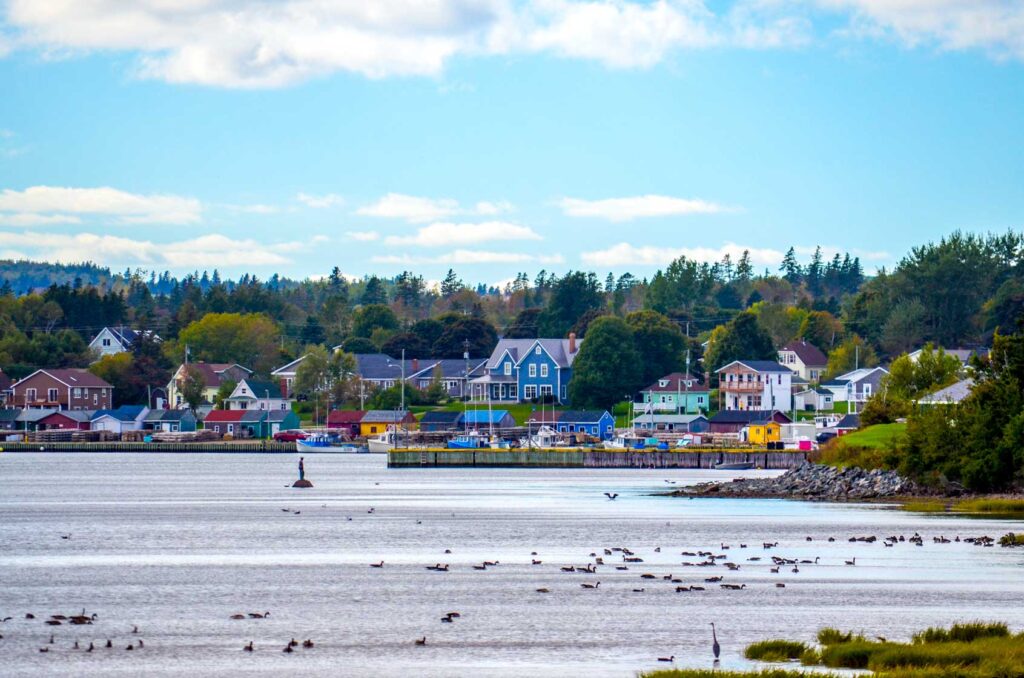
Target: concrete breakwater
{"x":589,"y":458}
{"x":814,"y":481}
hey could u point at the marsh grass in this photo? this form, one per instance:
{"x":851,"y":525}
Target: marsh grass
{"x":963,"y":633}
{"x":831,"y":636}
{"x":715,"y":673}
{"x":775,"y":650}
{"x":1011,"y":539}
{"x":990,"y":505}
{"x":925,"y":506}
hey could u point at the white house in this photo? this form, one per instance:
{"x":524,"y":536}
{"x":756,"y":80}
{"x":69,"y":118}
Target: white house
{"x":805,"y":359}
{"x":755,"y":385}
{"x":950,"y":395}
{"x":119,"y":420}
{"x":856,"y":386}
{"x":113,"y":340}
{"x":816,"y":399}
{"x":250,"y":394}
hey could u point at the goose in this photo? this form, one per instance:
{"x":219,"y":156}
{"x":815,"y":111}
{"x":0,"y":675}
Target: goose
{"x":543,"y":591}
{"x":611,"y":495}
{"x":53,"y":622}
{"x":851,"y":562}
{"x":109,"y":644}
{"x":377,"y":565}
{"x":780,"y":585}
{"x":293,"y":643}
{"x":130,"y":647}
{"x":287,"y":649}
{"x":237,"y":616}
{"x":135,"y":629}
{"x":29,"y":615}
{"x":307,"y":643}
{"x":447,"y":620}
{"x":638,"y":590}
{"x":774,"y":570}
{"x":75,"y":646}
{"x":569,"y":568}
{"x":248,"y":648}
{"x":140,"y":644}
{"x":421,"y":641}
{"x":6,"y":619}
{"x":621,"y":567}
{"x":667,"y":659}
{"x":51,"y":639}
{"x":590,"y":586}
{"x":456,"y":615}
{"x":44,"y":649}
{"x":91,"y":647}
{"x":535,"y":562}
{"x":479,"y":567}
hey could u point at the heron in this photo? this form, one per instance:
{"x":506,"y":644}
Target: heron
{"x":715,"y":647}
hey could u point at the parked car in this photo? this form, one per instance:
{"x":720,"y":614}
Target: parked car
{"x":289,"y":436}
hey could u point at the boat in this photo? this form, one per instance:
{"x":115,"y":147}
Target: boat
{"x":545,"y":437}
{"x":626,"y":441}
{"x":470,"y":440}
{"x":735,"y":466}
{"x":327,"y":443}
{"x":383,"y":443}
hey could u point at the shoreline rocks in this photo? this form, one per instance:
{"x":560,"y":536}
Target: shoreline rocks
{"x":817,"y":482}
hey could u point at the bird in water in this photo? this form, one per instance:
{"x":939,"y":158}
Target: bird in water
{"x":421,"y":641}
{"x":611,"y":495}
{"x":715,"y":647}
{"x":667,"y":659}
{"x":248,"y":648}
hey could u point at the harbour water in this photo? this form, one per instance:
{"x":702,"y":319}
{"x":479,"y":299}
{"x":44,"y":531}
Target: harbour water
{"x":176,"y":544}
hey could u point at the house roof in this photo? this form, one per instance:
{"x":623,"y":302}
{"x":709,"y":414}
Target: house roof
{"x":962,"y":354}
{"x":451,"y":368}
{"x":252,"y":415}
{"x":228,"y":416}
{"x":80,"y":416}
{"x":278,"y":415}
{"x":213,"y":373}
{"x":558,"y":349}
{"x":9,"y":414}
{"x":122,"y":413}
{"x":849,"y":421}
{"x":384,"y":416}
{"x":168,"y":415}
{"x":818,"y":391}
{"x":582,"y":416}
{"x":758,"y":366}
{"x":261,"y":389}
{"x":853,"y":376}
{"x":441,"y":417}
{"x":953,"y":393}
{"x":809,"y":354}
{"x":339,"y":417}
{"x":676,"y":382}
{"x":545,"y":417}
{"x":32,"y":415}
{"x":380,"y":367}
{"x":746,"y":416}
{"x":668,"y":418}
{"x":72,"y":377}
{"x":289,"y":368}
{"x":485,"y":416}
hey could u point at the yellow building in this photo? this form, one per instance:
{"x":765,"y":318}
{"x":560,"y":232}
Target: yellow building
{"x":764,"y":432}
{"x":375,"y":422}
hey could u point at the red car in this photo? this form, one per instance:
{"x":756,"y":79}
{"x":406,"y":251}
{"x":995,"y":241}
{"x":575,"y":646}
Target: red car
{"x":289,"y":436}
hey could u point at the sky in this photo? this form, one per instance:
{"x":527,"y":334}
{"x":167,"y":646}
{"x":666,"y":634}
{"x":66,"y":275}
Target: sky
{"x":498,"y":136}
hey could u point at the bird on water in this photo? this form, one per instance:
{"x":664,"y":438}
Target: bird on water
{"x":715,"y":647}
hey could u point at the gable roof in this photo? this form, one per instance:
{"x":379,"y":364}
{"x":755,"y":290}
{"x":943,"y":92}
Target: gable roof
{"x":451,"y":368}
{"x":80,"y":416}
{"x":213,"y":373}
{"x":518,"y":349}
{"x":758,"y":366}
{"x":9,"y":414}
{"x":261,"y":389}
{"x":583,"y":416}
{"x":853,"y":376}
{"x":677,"y":383}
{"x":33,"y":415}
{"x":340,"y":417}
{"x":808,"y":353}
{"x":122,"y":413}
{"x":849,"y":421}
{"x":125,"y":336}
{"x":72,"y":377}
{"x":668,"y":418}
{"x":253,"y":415}
{"x":227,"y":416}
{"x":384,"y":416}
{"x":441,"y":417}
{"x":545,"y":416}
{"x":485,"y":417}
{"x":746,"y":416}
{"x":169,"y":415}
{"x":953,"y":393}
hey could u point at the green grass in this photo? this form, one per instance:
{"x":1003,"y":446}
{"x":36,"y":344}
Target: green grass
{"x":519,"y":411}
{"x":880,"y":436}
{"x":925,"y":506}
{"x":868,"y":448}
{"x":714,"y":673}
{"x":831,"y":636}
{"x":775,"y":650}
{"x":994,"y":505}
{"x":964,"y":633}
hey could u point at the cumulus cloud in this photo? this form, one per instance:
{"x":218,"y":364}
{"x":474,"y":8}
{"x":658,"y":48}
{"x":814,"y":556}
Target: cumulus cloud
{"x":130,"y":208}
{"x":29,"y":219}
{"x":415,"y":209}
{"x":624,"y":254}
{"x":320,"y":201}
{"x":469,"y":257}
{"x":362,"y":236}
{"x":627,"y":209}
{"x":212,"y":250}
{"x":441,"y":234}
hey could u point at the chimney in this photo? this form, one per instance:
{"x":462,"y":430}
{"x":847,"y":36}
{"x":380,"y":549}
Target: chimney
{"x":572,"y":343}
{"x":415,"y":364}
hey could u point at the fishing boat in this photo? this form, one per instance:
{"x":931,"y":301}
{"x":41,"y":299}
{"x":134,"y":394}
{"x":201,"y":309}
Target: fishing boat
{"x":626,"y":441}
{"x":383,"y":443}
{"x":734,"y":466}
{"x":545,"y":437}
{"x":470,"y":440}
{"x":327,"y":443}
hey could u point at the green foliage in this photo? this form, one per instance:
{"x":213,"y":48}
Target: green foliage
{"x":742,"y":338}
{"x":573,"y":295}
{"x":223,"y":393}
{"x":359,"y":345}
{"x":964,"y":633}
{"x":368,"y":318}
{"x":192,"y":387}
{"x":659,"y":343}
{"x":871,"y":447}
{"x":910,"y":379}
{"x":991,"y":505}
{"x":526,"y":325}
{"x":326,"y":377}
{"x":781,"y":322}
{"x":849,"y":355}
{"x":605,"y":368}
{"x":413,"y":345}
{"x":462,"y":333}
{"x":833,"y":636}
{"x":250,"y":339}
{"x":822,"y":329}
{"x":775,"y":650}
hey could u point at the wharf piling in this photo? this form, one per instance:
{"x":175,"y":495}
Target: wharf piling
{"x":233,"y":447}
{"x":588,"y":458}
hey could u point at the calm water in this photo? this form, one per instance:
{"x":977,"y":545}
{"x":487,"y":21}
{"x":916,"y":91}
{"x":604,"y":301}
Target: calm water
{"x":177,"y":543}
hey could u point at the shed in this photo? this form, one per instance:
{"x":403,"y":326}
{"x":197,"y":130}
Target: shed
{"x":441,"y":420}
{"x":9,"y":418}
{"x":225,"y":422}
{"x":481,"y":419}
{"x":763,"y":432}
{"x":120,"y":419}
{"x":65,"y":419}
{"x":733,"y":421}
{"x":170,"y":421}
{"x":678,"y":423}
{"x":596,"y":423}
{"x":813,"y":399}
{"x":346,"y":420}
{"x":379,"y":421}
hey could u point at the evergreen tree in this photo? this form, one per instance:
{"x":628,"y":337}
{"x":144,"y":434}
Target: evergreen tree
{"x":790,"y":267}
{"x":450,"y":285}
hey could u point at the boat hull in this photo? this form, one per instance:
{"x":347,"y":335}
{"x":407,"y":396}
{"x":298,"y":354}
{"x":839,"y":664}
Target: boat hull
{"x":735,"y":466}
{"x":307,"y":448}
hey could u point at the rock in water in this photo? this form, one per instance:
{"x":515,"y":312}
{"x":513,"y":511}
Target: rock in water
{"x":302,"y":483}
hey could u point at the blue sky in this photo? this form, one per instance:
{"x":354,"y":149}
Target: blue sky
{"x":493,"y":136}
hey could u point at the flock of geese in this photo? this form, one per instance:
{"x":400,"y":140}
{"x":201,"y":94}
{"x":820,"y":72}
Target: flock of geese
{"x":82,"y":619}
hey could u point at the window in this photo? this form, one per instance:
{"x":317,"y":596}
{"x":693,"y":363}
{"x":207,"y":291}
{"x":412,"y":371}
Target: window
{"x":508,"y":368}
{"x":533,"y":370}
{"x":700,"y":400}
{"x":106,"y":341}
{"x":243,"y":405}
{"x":537,"y":350}
{"x":866,"y":390}
{"x":284,"y":406}
{"x":529,"y":391}
{"x":545,"y":389}
{"x":563,"y":393}
{"x":263,"y":405}
{"x":663,"y":383}
{"x":95,"y":399}
{"x":51,"y":395}
{"x":513,"y":391}
{"x":544,"y":370}
{"x":231,"y":428}
{"x":30,"y":394}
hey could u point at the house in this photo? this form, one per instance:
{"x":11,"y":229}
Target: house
{"x":124,"y":418}
{"x":755,"y":385}
{"x":453,"y":374}
{"x":762,"y":432}
{"x":848,"y":424}
{"x":441,"y":420}
{"x":113,"y":340}
{"x":548,"y":417}
{"x":486,"y":419}
{"x":733,"y":421}
{"x":527,"y":370}
{"x":677,"y":423}
{"x":856,"y":386}
{"x":212,"y":374}
{"x":950,"y":395}
{"x":170,"y":421}
{"x":813,"y":400}
{"x":9,"y":419}
{"x":798,"y":431}
{"x":346,"y":420}
{"x":225,"y":422}
{"x":64,"y":420}
{"x":250,"y":394}
{"x":595,"y":423}
{"x":62,"y":389}
{"x":380,"y":421}
{"x":804,"y":358}
{"x":961,"y":354}
{"x":285,"y":376}
{"x":280,"y":420}
{"x":677,"y":392}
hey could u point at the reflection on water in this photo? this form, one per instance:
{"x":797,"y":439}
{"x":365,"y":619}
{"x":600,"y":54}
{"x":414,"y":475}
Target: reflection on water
{"x":176,"y":544}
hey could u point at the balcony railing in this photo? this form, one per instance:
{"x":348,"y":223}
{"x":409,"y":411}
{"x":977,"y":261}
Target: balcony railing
{"x":744,"y":386}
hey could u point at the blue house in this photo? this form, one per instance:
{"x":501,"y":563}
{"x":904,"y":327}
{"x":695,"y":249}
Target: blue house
{"x":528,"y":370}
{"x":596,"y":423}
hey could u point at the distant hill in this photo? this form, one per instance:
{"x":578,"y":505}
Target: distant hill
{"x":24,"y":276}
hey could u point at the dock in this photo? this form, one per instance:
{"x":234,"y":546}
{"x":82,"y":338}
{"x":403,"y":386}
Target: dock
{"x":220,"y":447}
{"x":593,"y":458}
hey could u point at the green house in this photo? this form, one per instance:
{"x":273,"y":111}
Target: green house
{"x":678,"y":393}
{"x":265,"y":423}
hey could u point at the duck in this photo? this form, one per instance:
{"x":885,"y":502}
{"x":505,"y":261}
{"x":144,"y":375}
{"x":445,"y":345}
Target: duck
{"x":248,"y":648}
{"x":135,"y":629}
{"x":141,"y":644}
{"x":130,"y":647}
{"x":851,"y":562}
{"x":91,"y":647}
{"x":535,"y":562}
{"x":421,"y":641}
{"x":109,"y":644}
{"x":307,"y":643}
{"x":667,"y":659}
{"x":287,"y":649}
{"x":237,"y":616}
{"x":590,"y":586}
{"x":543,"y":590}
{"x":293,"y":643}
{"x":377,"y":565}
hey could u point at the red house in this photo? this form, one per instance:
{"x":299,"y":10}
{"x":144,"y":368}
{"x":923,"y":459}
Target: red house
{"x":346,"y":420}
{"x":63,"y":389}
{"x":64,"y":420}
{"x":225,"y":422}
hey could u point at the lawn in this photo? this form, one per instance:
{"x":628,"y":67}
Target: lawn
{"x":867,"y":448}
{"x":878,"y":437}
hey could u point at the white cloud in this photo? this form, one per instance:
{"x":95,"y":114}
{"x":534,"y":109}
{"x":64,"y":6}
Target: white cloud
{"x":415,"y":209}
{"x":624,"y":254}
{"x":128,"y":207}
{"x":29,"y":219}
{"x":627,"y":209}
{"x":468,"y":257}
{"x":362,"y":236}
{"x":320,"y":201}
{"x":213,"y":250}
{"x":442,"y":234}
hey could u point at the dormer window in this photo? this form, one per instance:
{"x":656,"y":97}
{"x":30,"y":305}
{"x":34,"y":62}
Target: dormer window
{"x":508,"y":369}
{"x":663,"y":383}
